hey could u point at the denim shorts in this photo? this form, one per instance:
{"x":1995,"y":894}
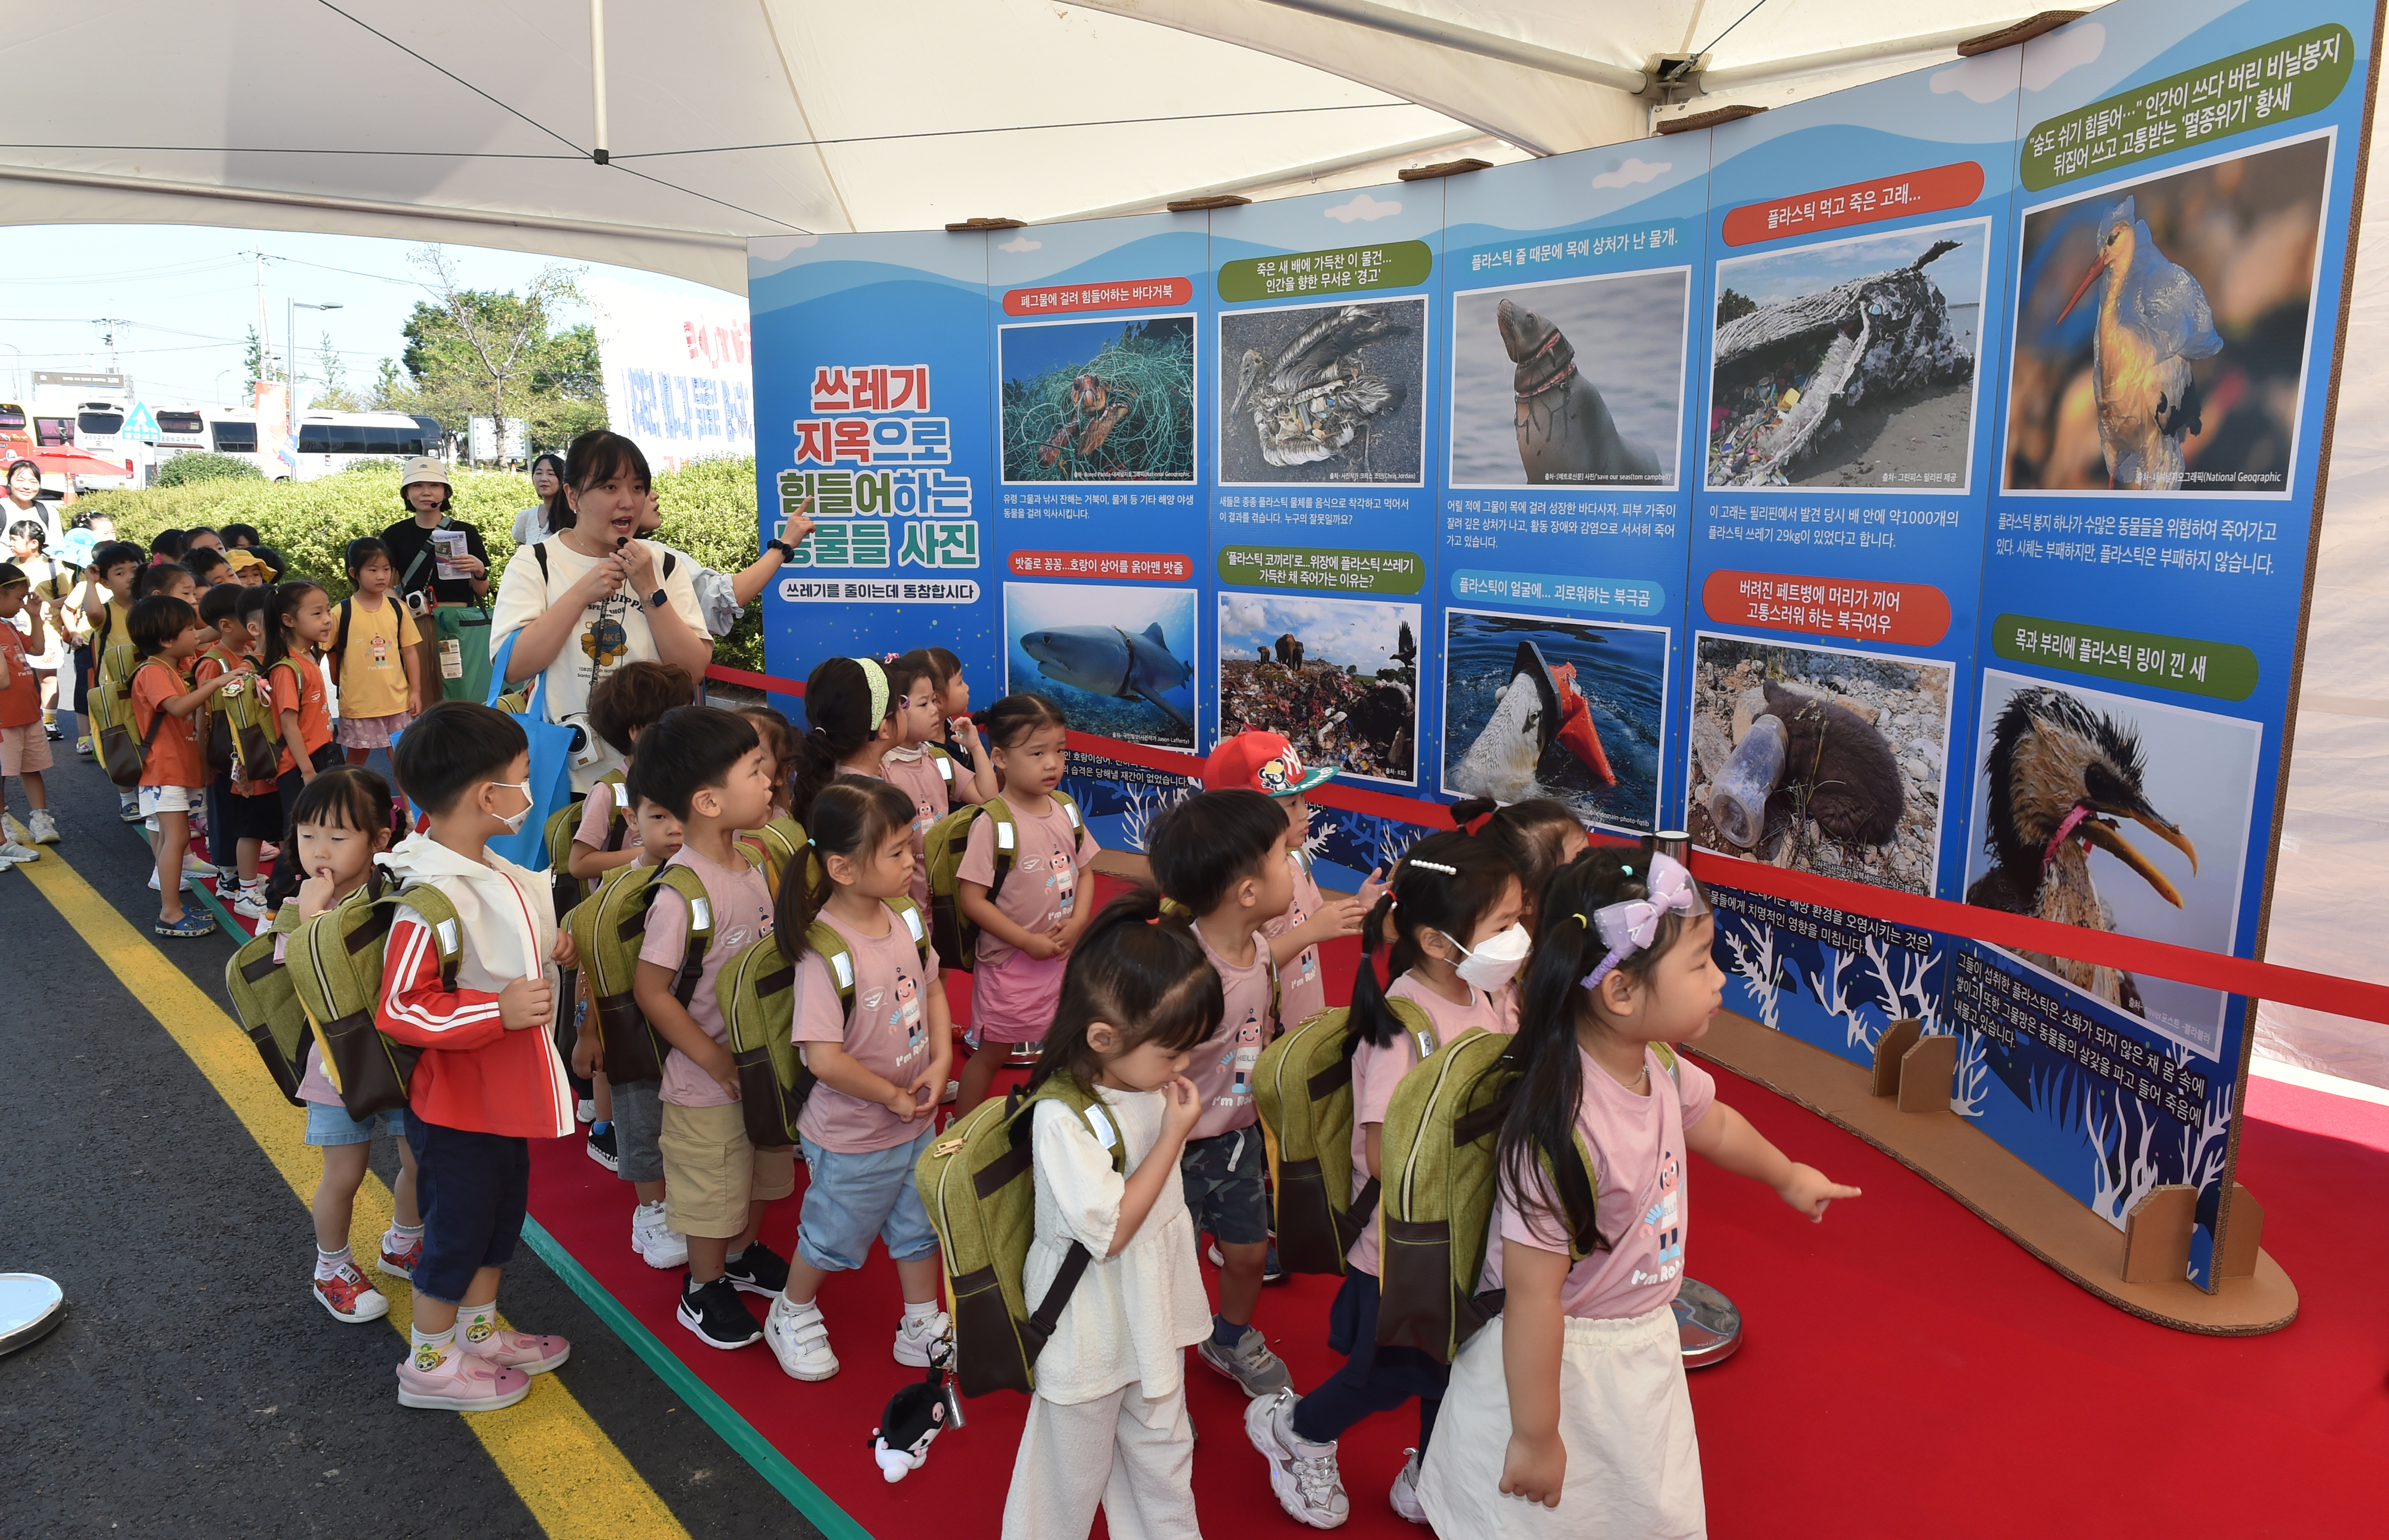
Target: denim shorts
{"x":1225,"y":1191}
{"x":329,"y":1122}
{"x":851,"y":1198}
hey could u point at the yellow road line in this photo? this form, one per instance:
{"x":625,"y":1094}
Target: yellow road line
{"x":559,"y":1462}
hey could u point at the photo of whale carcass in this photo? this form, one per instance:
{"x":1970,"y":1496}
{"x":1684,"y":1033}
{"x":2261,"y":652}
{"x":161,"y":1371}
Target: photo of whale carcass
{"x":1323,"y":393}
{"x":1099,"y":400}
{"x":1119,"y":661}
{"x":1338,"y":678}
{"x":1566,"y":709}
{"x":1819,"y":760}
{"x":1849,"y":363}
{"x":1573,"y":384}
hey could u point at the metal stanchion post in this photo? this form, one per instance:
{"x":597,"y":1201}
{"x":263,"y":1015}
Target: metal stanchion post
{"x":1707,"y":1324}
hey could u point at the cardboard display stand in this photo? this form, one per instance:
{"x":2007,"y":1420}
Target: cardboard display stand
{"x":1915,"y":485}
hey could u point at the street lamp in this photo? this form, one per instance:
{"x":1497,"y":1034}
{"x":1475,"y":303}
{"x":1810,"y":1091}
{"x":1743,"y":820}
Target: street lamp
{"x":291,"y":354}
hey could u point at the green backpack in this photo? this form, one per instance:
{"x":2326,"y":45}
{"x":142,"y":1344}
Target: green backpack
{"x":334,"y":962}
{"x":758,"y":1005}
{"x":780,"y":841}
{"x":942,"y":847}
{"x":243,"y":738}
{"x":565,"y":822}
{"x":266,"y":1002}
{"x":1302,"y":1085}
{"x":608,"y":928}
{"x":1436,"y":1221}
{"x":978,"y":1185}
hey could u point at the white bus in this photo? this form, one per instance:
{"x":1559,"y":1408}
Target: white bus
{"x":330,"y":442}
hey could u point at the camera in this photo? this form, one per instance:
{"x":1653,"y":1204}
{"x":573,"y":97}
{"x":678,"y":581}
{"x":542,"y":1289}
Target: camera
{"x":585,"y":748}
{"x":419,"y":602}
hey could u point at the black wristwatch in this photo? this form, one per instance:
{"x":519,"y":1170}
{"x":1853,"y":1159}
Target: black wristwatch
{"x":657,"y":599}
{"x":783,"y":547}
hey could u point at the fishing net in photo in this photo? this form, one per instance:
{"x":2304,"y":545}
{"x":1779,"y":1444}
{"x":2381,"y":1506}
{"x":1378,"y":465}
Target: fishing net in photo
{"x":1125,"y":415}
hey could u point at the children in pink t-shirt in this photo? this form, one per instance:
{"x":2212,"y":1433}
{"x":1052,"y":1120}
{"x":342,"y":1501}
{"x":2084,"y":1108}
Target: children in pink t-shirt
{"x":1586,"y":1410}
{"x":926,"y":775}
{"x":1028,"y":910}
{"x":878,"y":1051}
{"x":1449,"y":918}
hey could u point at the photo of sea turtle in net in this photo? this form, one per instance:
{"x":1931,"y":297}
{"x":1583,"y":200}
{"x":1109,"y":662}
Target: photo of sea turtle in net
{"x":1851,"y":364}
{"x":1323,"y":393}
{"x":1099,"y":400}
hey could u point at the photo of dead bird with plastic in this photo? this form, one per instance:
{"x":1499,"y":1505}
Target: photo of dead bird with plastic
{"x":1850,"y":364}
{"x":1119,"y":661}
{"x":1323,"y":393}
{"x":2162,"y":328}
{"x":1335,"y":678}
{"x":1819,"y":759}
{"x":1577,"y":383}
{"x":2099,"y":809}
{"x":1099,"y":400}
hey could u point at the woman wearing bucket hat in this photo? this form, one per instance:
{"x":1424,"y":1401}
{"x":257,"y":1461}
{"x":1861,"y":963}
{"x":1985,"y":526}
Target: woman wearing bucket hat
{"x":432,"y":573}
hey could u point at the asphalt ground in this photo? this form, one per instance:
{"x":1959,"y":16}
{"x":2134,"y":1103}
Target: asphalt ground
{"x":195,"y":1387}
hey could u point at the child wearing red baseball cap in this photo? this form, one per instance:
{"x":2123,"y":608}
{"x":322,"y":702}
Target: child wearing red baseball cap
{"x":1268,"y":764}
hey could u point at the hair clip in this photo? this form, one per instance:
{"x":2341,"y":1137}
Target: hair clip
{"x":1631,"y":925}
{"x":1624,"y":871}
{"x":1175,"y":910}
{"x":1433,"y":866}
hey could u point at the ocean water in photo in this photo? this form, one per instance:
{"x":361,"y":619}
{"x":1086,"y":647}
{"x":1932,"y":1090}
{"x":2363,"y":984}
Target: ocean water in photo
{"x":1623,"y":675}
{"x":1628,"y":336}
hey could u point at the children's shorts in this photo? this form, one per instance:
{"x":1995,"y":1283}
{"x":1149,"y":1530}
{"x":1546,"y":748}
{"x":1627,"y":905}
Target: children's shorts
{"x":474,"y":1189}
{"x":711,"y":1173}
{"x":638,"y":1122}
{"x":167,"y":799}
{"x":25,"y":750}
{"x":329,"y":1123}
{"x":370,"y":731}
{"x":853,"y":1197}
{"x":1224,"y":1191}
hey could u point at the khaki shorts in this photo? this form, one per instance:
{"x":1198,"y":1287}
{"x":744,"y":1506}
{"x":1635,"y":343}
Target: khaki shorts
{"x":24,"y":750}
{"x":711,"y":1173}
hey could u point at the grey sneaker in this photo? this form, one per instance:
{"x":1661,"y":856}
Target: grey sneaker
{"x":1404,"y":1496}
{"x":1250,"y":1363}
{"x":1303,"y":1475}
{"x":44,"y":827}
{"x":18,"y":853}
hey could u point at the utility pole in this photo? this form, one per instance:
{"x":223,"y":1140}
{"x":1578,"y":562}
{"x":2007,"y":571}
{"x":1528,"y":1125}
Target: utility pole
{"x":264,"y":337}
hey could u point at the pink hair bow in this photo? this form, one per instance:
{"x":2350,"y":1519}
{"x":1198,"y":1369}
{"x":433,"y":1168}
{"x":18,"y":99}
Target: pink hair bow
{"x":1630,"y":926}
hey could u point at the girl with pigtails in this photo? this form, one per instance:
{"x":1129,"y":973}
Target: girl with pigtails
{"x":1450,"y":917}
{"x":1573,"y":1400}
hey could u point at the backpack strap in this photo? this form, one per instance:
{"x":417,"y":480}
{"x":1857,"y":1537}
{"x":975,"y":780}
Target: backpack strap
{"x":341,"y":639}
{"x":691,"y":888}
{"x":1097,"y":1118}
{"x":908,"y":914}
{"x":439,"y":916}
{"x":156,"y":718}
{"x":822,"y":937}
{"x":422,"y":554}
{"x":944,"y":761}
{"x":1007,"y":842}
{"x":538,"y":551}
{"x":1667,"y":1062}
{"x":1417,"y":1024}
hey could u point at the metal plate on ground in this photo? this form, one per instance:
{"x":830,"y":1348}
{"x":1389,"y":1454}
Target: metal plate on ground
{"x":30,"y":1306}
{"x":1706,"y":1324}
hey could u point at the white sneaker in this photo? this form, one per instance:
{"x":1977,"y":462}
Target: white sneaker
{"x":12,"y":851}
{"x":1404,"y":1495}
{"x":799,"y":1339}
{"x":585,"y":1110}
{"x":250,"y":904}
{"x":1303,"y":1475}
{"x":44,"y":827}
{"x":918,"y":1343}
{"x":653,"y":1238}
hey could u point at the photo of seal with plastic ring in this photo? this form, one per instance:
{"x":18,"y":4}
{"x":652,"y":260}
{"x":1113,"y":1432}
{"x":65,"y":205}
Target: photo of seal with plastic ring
{"x":1577,"y":383}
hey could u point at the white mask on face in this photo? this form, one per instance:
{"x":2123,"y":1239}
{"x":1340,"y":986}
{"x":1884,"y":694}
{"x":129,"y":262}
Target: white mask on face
{"x":514,"y":825}
{"x":1496,"y":961}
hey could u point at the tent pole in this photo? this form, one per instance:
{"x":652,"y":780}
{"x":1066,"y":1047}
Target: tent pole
{"x":597,"y":73}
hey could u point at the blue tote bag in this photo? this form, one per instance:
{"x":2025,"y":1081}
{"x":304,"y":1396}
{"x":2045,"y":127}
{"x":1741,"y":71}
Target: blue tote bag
{"x":551,"y":765}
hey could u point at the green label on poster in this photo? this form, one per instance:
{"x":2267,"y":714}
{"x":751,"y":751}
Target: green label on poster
{"x":2223,"y":669}
{"x":1351,"y":270}
{"x":1324,"y":571}
{"x":2256,"y":89}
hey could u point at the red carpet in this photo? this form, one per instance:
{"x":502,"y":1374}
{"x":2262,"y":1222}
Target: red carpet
{"x":1908,"y":1371}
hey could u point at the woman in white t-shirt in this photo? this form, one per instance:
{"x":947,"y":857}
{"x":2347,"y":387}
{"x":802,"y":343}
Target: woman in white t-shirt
{"x":593,"y":597}
{"x":546,"y":476}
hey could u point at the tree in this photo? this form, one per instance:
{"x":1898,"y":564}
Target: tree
{"x":335,"y":396}
{"x":254,"y":360}
{"x":478,"y":352}
{"x":1731,"y":304}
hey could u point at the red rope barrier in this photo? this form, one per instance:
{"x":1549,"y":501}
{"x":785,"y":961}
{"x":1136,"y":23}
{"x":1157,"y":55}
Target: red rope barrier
{"x":2236,"y":975}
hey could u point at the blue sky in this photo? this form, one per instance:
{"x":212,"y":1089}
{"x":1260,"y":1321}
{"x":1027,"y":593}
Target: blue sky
{"x":186,"y":296}
{"x":1781,"y":276}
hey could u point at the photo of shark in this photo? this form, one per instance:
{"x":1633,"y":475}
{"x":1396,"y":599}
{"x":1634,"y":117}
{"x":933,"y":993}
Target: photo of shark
{"x":1119,"y":661}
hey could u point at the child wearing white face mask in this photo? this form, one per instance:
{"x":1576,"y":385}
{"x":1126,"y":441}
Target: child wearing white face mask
{"x":1451,"y":916}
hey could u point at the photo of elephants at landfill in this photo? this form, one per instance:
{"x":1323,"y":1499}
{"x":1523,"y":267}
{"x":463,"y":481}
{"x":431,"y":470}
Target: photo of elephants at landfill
{"x":1533,"y":705}
{"x":1819,"y":759}
{"x":2162,"y":328}
{"x":2099,"y":810}
{"x":1577,"y":383}
{"x":1850,"y":364}
{"x":1099,"y":400}
{"x":1336,"y":678}
{"x":1119,"y":661}
{"x":1330,"y":393}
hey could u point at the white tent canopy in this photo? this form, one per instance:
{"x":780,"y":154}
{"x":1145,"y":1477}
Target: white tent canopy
{"x":478,"y":124}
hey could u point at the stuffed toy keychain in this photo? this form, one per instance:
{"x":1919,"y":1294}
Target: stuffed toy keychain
{"x":913,"y":1417}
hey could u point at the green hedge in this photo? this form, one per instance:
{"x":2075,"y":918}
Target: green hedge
{"x":185,"y":470}
{"x":708,"y":512}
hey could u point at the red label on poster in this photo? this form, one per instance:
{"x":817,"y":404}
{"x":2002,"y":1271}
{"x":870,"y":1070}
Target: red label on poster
{"x":1158,"y":566}
{"x":1951,"y":187}
{"x":1136,"y":294}
{"x":1914,"y":615}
